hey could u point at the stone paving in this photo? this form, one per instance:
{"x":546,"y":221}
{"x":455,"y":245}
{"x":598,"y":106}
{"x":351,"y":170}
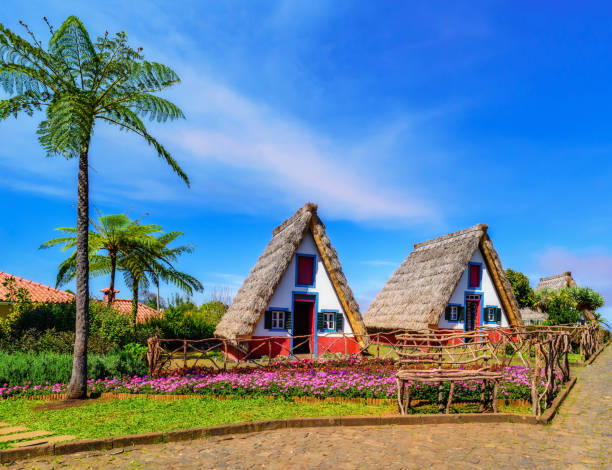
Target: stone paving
{"x":580,"y":437}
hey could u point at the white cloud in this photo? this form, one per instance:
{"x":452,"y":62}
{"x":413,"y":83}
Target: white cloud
{"x":243,"y":156}
{"x":288,"y":161}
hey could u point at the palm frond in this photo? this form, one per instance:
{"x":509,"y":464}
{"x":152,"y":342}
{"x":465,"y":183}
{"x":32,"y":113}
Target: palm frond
{"x":72,"y":45}
{"x":125,"y":119}
{"x":68,"y":125}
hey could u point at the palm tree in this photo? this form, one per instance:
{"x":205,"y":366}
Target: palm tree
{"x":117,"y":234}
{"x":155,"y":263}
{"x":79,"y":82}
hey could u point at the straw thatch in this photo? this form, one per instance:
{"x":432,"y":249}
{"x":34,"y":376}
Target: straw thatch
{"x":415,"y":296}
{"x":533,"y":317}
{"x":556,"y":282}
{"x":253,"y":298}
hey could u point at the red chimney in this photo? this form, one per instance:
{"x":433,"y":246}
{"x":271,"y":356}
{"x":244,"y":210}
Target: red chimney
{"x":106,"y":291}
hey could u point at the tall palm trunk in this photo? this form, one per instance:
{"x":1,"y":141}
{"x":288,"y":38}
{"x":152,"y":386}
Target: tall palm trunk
{"x":135,"y":283}
{"x":111,"y":291}
{"x":78,"y":382}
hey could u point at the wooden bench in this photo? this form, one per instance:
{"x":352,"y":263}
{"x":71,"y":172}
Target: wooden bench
{"x":438,"y":357}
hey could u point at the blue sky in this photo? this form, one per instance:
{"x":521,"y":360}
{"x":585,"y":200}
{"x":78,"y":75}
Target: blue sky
{"x":402,"y":120}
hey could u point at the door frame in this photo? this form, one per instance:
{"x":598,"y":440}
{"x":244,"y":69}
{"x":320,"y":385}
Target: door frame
{"x":315,"y":301}
{"x":479,"y":313}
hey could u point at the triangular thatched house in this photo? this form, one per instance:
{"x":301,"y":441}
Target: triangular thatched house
{"x":556,"y":282}
{"x":452,"y":282}
{"x":296,"y":300}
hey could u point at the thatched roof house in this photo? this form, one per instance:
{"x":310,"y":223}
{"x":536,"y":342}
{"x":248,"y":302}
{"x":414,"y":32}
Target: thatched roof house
{"x":556,"y":282}
{"x":419,"y":293}
{"x":533,"y":316}
{"x":264,"y":281}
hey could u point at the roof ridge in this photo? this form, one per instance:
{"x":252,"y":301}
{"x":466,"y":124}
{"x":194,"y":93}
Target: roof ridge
{"x":448,"y":236}
{"x":29,"y":281}
{"x":308,"y":207}
{"x":555,"y":276}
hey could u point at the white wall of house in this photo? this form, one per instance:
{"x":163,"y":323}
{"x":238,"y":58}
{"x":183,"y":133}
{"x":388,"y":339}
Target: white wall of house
{"x":327,"y":297}
{"x":490,"y":298}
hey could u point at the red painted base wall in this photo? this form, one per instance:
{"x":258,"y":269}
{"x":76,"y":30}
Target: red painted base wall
{"x":281,"y":346}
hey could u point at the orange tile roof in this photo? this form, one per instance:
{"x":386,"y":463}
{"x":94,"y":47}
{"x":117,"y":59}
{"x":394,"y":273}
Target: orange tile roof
{"x":38,"y":292}
{"x":144,"y":313}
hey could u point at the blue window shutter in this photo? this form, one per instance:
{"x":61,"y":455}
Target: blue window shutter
{"x":288,"y":320}
{"x":447,"y":311}
{"x":339,"y":321}
{"x":268,"y":320}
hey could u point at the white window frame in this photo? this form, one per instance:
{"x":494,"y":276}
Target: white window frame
{"x":329,"y":321}
{"x":491,"y":315}
{"x":278,"y":320}
{"x":454,"y":313}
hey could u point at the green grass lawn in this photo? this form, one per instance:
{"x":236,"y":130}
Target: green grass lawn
{"x":138,"y":415}
{"x":100,"y":418}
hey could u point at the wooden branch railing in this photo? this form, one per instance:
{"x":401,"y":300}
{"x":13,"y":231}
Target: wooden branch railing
{"x":164,"y":355}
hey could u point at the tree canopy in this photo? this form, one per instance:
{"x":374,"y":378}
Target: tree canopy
{"x":523,"y":292}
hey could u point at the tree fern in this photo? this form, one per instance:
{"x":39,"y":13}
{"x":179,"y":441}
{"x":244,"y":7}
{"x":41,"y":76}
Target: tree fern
{"x":78,"y":82}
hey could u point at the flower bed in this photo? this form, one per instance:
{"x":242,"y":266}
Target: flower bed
{"x":368,"y":382}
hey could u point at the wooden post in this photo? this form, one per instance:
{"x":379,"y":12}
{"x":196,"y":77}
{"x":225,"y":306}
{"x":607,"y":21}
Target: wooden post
{"x":400,"y":397}
{"x":483,"y":406}
{"x":408,"y":392}
{"x":450,"y":397}
{"x":495,"y":389}
{"x":185,"y":353}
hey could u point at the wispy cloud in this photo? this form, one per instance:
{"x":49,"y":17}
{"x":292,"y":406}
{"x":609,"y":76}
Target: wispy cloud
{"x":291,"y":162}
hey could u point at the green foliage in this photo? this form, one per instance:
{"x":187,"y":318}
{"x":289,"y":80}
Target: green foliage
{"x":77,"y":82}
{"x":39,"y":368}
{"x":136,"y":350}
{"x":185,"y":320}
{"x":586,"y":298}
{"x":566,"y":305}
{"x":113,"y":327}
{"x":559,"y":305}
{"x":140,"y":252}
{"x":139,"y":415}
{"x":523,"y":292}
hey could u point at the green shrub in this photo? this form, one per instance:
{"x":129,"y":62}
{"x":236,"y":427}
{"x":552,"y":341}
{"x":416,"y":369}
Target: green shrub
{"x":136,"y":350}
{"x":20,"y":368}
{"x":112,"y":326}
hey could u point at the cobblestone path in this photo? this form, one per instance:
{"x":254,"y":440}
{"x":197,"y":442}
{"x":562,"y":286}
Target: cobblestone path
{"x":580,"y":437}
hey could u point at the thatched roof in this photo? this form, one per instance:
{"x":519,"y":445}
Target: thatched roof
{"x":556,"y":282}
{"x":254,"y":296}
{"x":532,"y":316}
{"x":417,"y":293}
